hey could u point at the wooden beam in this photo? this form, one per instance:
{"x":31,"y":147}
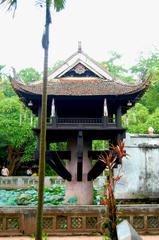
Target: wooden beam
{"x":79,"y":155}
{"x":57,"y":164}
{"x":96,"y":170}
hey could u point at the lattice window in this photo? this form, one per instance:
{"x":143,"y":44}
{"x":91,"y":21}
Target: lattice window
{"x":76,"y":222}
{"x":138,"y":222}
{"x":61,"y":222}
{"x":153,"y":221}
{"x":1,"y":224}
{"x":47,"y":223}
{"x":12,"y":223}
{"x":91,"y":222}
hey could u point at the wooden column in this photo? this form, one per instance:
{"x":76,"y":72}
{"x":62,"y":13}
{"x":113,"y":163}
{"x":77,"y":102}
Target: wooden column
{"x":39,"y":115}
{"x":118,"y":116}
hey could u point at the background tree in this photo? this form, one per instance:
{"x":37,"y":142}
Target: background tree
{"x":29,"y":75}
{"x":116,"y":69}
{"x":151,"y":65}
{"x":136,"y":119}
{"x":15,"y":133}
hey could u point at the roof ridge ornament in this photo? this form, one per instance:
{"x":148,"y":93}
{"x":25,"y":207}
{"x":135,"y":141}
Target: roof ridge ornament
{"x":79,"y":46}
{"x":15,"y":76}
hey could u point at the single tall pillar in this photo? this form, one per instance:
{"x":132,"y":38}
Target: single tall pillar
{"x":80,"y":190}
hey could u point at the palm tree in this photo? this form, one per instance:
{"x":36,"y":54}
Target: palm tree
{"x":58,"y":5}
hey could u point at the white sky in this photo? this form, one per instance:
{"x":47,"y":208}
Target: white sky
{"x":130,"y":27}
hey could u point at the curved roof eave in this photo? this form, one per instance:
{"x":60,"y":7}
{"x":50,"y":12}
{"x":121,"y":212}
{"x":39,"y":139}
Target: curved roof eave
{"x":95,"y":88}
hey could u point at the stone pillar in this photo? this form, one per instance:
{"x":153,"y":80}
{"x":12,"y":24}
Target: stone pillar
{"x":80,"y":190}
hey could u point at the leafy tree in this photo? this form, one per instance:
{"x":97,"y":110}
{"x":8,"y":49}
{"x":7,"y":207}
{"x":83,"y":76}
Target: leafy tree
{"x":151,"y":66}
{"x":15,"y":134}
{"x":29,"y":75}
{"x":56,"y":65}
{"x":153,"y":120}
{"x":116,"y":69}
{"x":4,"y":83}
{"x":137,"y":119}
{"x":6,"y":88}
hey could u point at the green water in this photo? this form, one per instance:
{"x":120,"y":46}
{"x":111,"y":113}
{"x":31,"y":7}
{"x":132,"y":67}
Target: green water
{"x":52,"y":196}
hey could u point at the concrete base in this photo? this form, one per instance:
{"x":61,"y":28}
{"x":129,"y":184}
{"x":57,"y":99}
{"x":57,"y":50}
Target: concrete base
{"x":126,"y":232}
{"x":82,"y":191}
{"x":79,"y":192}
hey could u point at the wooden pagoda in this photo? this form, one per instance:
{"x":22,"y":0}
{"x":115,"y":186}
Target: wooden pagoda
{"x":84,"y":103}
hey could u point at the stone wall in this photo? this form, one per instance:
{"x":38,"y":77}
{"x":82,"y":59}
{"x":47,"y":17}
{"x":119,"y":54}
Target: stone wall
{"x":141,"y":170}
{"x":23,"y":182}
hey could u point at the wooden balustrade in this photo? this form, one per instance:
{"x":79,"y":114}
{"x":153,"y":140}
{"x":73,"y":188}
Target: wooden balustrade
{"x":81,"y":122}
{"x":76,"y":220}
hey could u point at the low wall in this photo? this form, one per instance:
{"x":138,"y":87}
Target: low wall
{"x":23,"y":182}
{"x":76,"y":220}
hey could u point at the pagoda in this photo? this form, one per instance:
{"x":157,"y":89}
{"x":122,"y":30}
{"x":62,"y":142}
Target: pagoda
{"x":85,"y":103}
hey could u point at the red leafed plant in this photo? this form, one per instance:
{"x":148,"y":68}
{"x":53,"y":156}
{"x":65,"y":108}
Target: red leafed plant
{"x":115,"y":155}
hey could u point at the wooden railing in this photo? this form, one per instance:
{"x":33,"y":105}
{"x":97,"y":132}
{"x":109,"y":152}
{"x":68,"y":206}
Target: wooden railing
{"x":82,"y":122}
{"x":74,"y":220}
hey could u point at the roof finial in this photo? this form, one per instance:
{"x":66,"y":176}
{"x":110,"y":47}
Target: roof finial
{"x":79,"y":46}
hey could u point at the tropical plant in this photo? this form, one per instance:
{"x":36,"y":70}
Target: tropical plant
{"x":58,"y":5}
{"x":116,"y":153}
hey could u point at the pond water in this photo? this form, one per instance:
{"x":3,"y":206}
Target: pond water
{"x":52,"y":196}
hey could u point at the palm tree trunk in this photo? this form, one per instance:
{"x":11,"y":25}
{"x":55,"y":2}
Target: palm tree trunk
{"x":39,"y":218}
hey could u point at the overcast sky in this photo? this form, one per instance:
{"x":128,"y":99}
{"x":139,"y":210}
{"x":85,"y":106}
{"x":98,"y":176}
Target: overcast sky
{"x":130,"y":27}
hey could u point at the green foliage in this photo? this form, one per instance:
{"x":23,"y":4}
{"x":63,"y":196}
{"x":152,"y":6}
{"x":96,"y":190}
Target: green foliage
{"x":153,"y":120}
{"x":150,"y":64}
{"x":49,"y":171}
{"x":44,"y":236}
{"x":5,"y":86}
{"x":12,"y":132}
{"x":137,"y":119}
{"x":56,"y":66}
{"x":30,"y":149}
{"x":9,"y":122}
{"x":58,"y":146}
{"x":116,"y":69}
{"x":29,"y":75}
{"x":100,"y":145}
{"x":7,"y":89}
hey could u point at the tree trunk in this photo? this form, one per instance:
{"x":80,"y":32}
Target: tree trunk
{"x":13,"y":160}
{"x":43,"y":131}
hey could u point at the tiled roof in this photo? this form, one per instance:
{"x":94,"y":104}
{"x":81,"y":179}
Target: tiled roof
{"x":81,"y":87}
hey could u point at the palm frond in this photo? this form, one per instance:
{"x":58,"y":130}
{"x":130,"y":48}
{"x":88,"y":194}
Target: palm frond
{"x":12,"y":4}
{"x":59,"y":5}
